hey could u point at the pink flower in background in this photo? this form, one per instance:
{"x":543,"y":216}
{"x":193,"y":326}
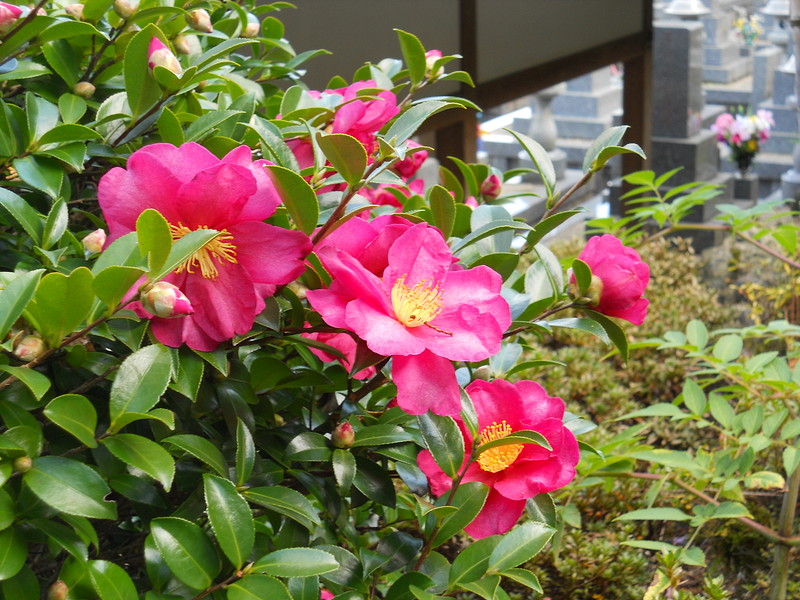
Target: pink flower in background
{"x":419,"y":310}
{"x":9,"y":13}
{"x":409,"y":166}
{"x":514,"y":472}
{"x":383,"y":197}
{"x":344,"y":343}
{"x":623,"y":275}
{"x":228,"y":279}
{"x":363,"y":116}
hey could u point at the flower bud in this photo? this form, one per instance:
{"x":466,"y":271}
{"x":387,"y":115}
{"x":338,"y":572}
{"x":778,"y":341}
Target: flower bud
{"x":431,"y":56}
{"x":252,"y":28}
{"x":199,"y":20}
{"x":126,"y":8}
{"x":58,"y":591}
{"x":491,"y":186}
{"x":343,"y":435}
{"x":166,"y":300}
{"x":483,"y":372}
{"x":94,"y":242}
{"x":29,"y":348}
{"x":187,"y":44}
{"x":158,"y":55}
{"x":84,"y":89}
{"x":22,"y":464}
{"x":75,"y":11}
{"x":9,"y":13}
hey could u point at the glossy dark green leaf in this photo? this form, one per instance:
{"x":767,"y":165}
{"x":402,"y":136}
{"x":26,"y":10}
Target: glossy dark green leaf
{"x":468,"y":500}
{"x":472,"y":562}
{"x":443,"y":209}
{"x":140,"y":381}
{"x":16,"y":295}
{"x":190,"y":373}
{"x":520,"y":545}
{"x":583,"y":275}
{"x":505,"y":263}
{"x":298,"y":197}
{"x":68,"y":132}
{"x":525,"y":577}
{"x":547,"y":225}
{"x":7,"y":512}
{"x":444,"y":440}
{"x":230,"y":517}
{"x":488,"y":230}
{"x":582,"y":324}
{"x":487,"y":588}
{"x":62,"y":303}
{"x":142,"y":89}
{"x":71,"y":107}
{"x":110,"y":581}
{"x":201,"y":449}
{"x":181,"y":251}
{"x":409,"y":121}
{"x":612,"y":151}
{"x":55,"y":225}
{"x":382,"y":434}
{"x":155,"y":240}
{"x":610,"y":137}
{"x":37,"y":382}
{"x":22,"y":212}
{"x":346,"y":154}
{"x":285,"y":501}
{"x":42,"y":173}
{"x":542,"y":508}
{"x":169,"y":128}
{"x":296,"y":562}
{"x":245,"y":452}
{"x":71,"y":487}
{"x":309,"y":446}
{"x":258,"y":587}
{"x":143,"y":454}
{"x":413,"y":55}
{"x":344,"y":469}
{"x":22,"y":586}
{"x":518,"y":437}
{"x":112,"y":283}
{"x":374,"y":482}
{"x":13,"y":552}
{"x":187,"y":550}
{"x":75,"y":415}
{"x":614,"y":332}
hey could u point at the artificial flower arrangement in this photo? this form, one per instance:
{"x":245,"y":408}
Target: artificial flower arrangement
{"x":248,"y":353}
{"x":749,"y":29}
{"x":743,"y":134}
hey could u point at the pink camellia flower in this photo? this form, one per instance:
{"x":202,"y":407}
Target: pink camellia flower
{"x":514,"y":472}
{"x":409,"y":166}
{"x":383,"y":197}
{"x":166,"y":300}
{"x":158,"y":55}
{"x":344,"y":343}
{"x":491,"y":186}
{"x":325,"y":594}
{"x":9,"y":13}
{"x":419,"y":310}
{"x":362,"y":117}
{"x":228,"y":279}
{"x":621,"y":276}
{"x":431,"y":56}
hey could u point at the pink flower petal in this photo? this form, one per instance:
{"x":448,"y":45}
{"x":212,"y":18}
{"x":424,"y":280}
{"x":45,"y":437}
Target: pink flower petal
{"x":270,"y":254}
{"x":498,"y":515}
{"x":215,"y":197}
{"x":426,"y":382}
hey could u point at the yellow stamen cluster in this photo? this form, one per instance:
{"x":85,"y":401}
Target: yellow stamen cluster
{"x":220,"y":248}
{"x":418,"y":305}
{"x":500,"y":457}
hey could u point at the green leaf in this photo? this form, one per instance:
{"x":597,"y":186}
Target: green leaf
{"x":71,"y":487}
{"x":296,"y":562}
{"x":245,"y":452}
{"x":444,"y":440}
{"x":298,"y":197}
{"x":413,"y":55}
{"x":408,"y":122}
{"x":142,"y":89}
{"x":728,"y":347}
{"x":7,"y":511}
{"x":64,"y":536}
{"x":75,"y":415}
{"x":721,"y":410}
{"x":285,"y":501}
{"x":182,"y":250}
{"x":468,"y":500}
{"x":230,"y":517}
{"x":23,"y":586}
{"x":71,"y":107}
{"x":662,"y":409}
{"x":472,"y":562}
{"x":37,"y":383}
{"x":141,"y":380}
{"x":374,"y":482}
{"x":61,"y":304}
{"x":582,"y":324}
{"x":257,"y":587}
{"x":733,"y":510}
{"x":523,"y":436}
{"x":697,"y":334}
{"x":694,"y":397}
{"x":110,"y":581}
{"x":13,"y":552}
{"x":68,"y":132}
{"x":487,"y":588}
{"x":155,"y":240}
{"x":309,"y":446}
{"x":22,"y":212}
{"x":206,"y":124}
{"x":380,"y":435}
{"x":791,"y":459}
{"x":169,"y":128}
{"x":56,"y":224}
{"x":610,"y":137}
{"x":443,"y":209}
{"x":583,"y":275}
{"x":400,"y":589}
{"x":346,"y":154}
{"x":68,"y":29}
{"x":655,"y":514}
{"x":607,"y":153}
{"x":187,"y":550}
{"x":16,"y":295}
{"x":489,"y":229}
{"x":525,"y":577}
{"x":344,"y":469}
{"x":520,"y":545}
{"x":42,"y":173}
{"x":112,"y":283}
{"x":201,"y":449}
{"x":614,"y":332}
{"x":143,"y":454}
{"x":541,"y":161}
{"x":504,"y":263}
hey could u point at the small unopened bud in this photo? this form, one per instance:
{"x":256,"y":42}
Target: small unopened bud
{"x":200,"y":20}
{"x":253,"y":26}
{"x":590,"y":297}
{"x":58,"y":591}
{"x":491,"y":186}
{"x":22,"y":464}
{"x":29,"y":348}
{"x":75,"y":11}
{"x":343,"y":435}
{"x":187,"y":44}
{"x":126,"y":8}
{"x":84,"y":89}
{"x":431,"y":56}
{"x":94,"y":242}
{"x":9,"y":13}
{"x":483,"y":372}
{"x":158,"y":55}
{"x":166,"y":300}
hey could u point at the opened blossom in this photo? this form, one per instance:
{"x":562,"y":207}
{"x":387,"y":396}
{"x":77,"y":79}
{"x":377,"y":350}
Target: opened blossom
{"x":227,"y":280}
{"x":419,"y":309}
{"x":514,"y":472}
{"x":619,"y":279}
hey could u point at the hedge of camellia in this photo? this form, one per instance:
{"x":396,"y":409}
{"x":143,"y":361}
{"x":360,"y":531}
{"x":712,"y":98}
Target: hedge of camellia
{"x":247,"y":353}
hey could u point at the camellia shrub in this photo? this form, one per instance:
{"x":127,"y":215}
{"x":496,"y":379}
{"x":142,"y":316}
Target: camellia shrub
{"x":247,"y":353}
